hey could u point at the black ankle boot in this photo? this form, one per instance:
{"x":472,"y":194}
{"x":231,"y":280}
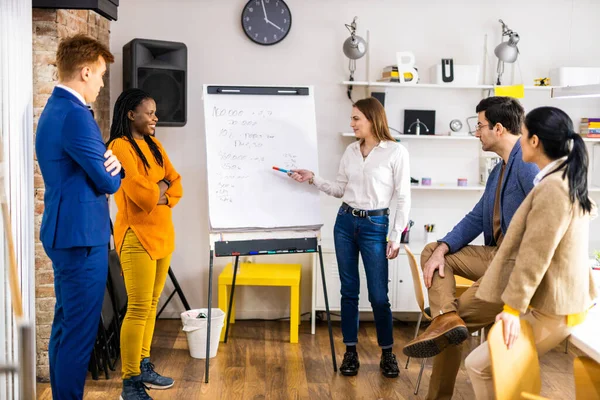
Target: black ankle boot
{"x":350,"y":364}
{"x":389,"y":365}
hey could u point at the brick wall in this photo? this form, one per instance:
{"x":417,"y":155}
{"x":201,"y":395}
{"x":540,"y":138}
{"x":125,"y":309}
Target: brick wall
{"x":49,"y":27}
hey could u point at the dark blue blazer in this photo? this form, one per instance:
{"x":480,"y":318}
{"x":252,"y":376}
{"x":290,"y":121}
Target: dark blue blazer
{"x":70,"y":152}
{"x":516,"y":184}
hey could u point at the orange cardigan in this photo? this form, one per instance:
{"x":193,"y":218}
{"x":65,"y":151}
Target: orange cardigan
{"x":138,"y":196}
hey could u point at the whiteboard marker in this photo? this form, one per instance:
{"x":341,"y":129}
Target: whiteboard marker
{"x":285,"y":171}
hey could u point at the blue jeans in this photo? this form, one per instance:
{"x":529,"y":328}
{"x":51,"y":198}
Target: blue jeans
{"x":369,"y":237}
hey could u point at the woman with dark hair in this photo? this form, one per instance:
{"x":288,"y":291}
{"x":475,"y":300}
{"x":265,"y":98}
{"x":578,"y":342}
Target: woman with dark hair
{"x":144,"y":233}
{"x":371,"y":172}
{"x":541,"y":271}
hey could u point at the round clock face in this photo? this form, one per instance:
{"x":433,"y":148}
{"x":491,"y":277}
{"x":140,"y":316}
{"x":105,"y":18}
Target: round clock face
{"x":266,"y":22}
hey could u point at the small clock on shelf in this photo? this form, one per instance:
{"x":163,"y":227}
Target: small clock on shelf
{"x":266,"y":22}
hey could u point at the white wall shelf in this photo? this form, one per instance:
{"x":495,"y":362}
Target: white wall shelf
{"x":449,"y":186}
{"x":422,"y":137}
{"x":356,"y":83}
{"x":434,"y":85}
{"x":448,"y":137}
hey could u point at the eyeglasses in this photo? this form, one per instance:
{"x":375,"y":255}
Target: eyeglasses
{"x":479,"y":126}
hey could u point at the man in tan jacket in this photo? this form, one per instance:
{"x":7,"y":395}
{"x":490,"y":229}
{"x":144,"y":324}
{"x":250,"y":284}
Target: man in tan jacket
{"x":498,"y":128}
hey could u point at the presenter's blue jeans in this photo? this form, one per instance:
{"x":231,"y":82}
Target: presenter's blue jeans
{"x":367,"y":236}
{"x":79,"y":283}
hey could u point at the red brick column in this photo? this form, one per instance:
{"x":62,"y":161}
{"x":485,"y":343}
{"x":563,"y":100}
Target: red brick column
{"x":49,"y":27}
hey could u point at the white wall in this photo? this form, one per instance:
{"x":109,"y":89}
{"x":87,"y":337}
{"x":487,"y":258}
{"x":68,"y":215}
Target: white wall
{"x":553,"y":33}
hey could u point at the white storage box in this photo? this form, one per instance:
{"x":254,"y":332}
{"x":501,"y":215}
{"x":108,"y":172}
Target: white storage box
{"x":574,"y":76}
{"x":464,"y":75}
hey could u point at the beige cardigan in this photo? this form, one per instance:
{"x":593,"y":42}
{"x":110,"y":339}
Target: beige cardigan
{"x":543,"y":260}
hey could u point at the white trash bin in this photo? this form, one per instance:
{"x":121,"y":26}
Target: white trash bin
{"x":195,"y":329}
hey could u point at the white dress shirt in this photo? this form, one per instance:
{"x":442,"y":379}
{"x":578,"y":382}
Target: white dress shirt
{"x":370,"y":183}
{"x":74,"y":93}
{"x":547,"y":169}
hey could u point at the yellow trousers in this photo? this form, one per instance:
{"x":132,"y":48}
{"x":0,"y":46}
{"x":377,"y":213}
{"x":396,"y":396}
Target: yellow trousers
{"x":144,"y":280}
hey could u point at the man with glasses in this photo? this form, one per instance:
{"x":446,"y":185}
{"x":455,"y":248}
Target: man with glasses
{"x":498,"y":129}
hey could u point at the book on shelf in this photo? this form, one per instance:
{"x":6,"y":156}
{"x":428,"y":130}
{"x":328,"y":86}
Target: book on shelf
{"x":585,"y":131}
{"x":390,"y":79}
{"x":390,"y":74}
{"x":589,"y":127}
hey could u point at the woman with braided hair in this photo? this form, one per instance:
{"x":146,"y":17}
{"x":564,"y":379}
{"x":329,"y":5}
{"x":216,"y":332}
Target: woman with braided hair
{"x":144,"y":233}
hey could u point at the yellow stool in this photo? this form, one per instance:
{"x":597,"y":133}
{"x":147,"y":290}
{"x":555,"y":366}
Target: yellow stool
{"x":250,"y":274}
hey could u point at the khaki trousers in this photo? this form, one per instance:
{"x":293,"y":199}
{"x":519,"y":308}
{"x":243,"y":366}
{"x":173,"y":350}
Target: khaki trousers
{"x":470,"y":262}
{"x":548,"y":331}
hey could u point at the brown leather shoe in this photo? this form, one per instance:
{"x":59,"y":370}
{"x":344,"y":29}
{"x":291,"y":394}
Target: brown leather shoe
{"x":444,"y":330}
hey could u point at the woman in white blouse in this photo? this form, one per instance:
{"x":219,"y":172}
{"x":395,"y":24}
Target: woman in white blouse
{"x":372,"y":171}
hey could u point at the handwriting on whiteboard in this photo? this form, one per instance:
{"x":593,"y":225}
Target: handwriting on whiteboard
{"x":244,"y":137}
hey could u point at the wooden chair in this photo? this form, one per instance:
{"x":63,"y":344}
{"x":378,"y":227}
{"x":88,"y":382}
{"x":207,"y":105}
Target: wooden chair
{"x":462,"y":284}
{"x":529,"y":396}
{"x":516,"y":370}
{"x":420,"y":297}
{"x":587,"y":378}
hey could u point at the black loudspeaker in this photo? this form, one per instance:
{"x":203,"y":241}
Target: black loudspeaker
{"x":160,"y":69}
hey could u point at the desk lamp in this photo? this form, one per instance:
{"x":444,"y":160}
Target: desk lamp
{"x":506,"y":52}
{"x":354,"y":48}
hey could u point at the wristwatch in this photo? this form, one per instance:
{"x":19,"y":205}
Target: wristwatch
{"x":167,"y":182}
{"x":311,"y":180}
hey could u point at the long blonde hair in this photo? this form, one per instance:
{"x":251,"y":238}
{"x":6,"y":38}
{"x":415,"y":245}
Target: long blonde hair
{"x":375,"y":113}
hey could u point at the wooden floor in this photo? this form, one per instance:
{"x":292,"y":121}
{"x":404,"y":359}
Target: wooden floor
{"x":258,"y":362}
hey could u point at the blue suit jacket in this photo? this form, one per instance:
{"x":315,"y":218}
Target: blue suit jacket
{"x":70,"y":152}
{"x":517,"y":182}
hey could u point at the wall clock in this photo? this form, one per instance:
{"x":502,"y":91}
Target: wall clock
{"x":266,"y":22}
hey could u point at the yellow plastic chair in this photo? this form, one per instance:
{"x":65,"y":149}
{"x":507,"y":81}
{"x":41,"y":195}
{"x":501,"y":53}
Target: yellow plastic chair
{"x":587,"y":378}
{"x":420,"y":297}
{"x":250,"y":274}
{"x":462,"y":284}
{"x":516,"y":370}
{"x":529,"y":396}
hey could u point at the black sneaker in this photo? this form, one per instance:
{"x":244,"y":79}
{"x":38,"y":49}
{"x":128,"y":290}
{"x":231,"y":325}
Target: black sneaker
{"x":152,"y":378}
{"x":350,"y":364}
{"x":389,"y":365}
{"x":134,"y":389}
